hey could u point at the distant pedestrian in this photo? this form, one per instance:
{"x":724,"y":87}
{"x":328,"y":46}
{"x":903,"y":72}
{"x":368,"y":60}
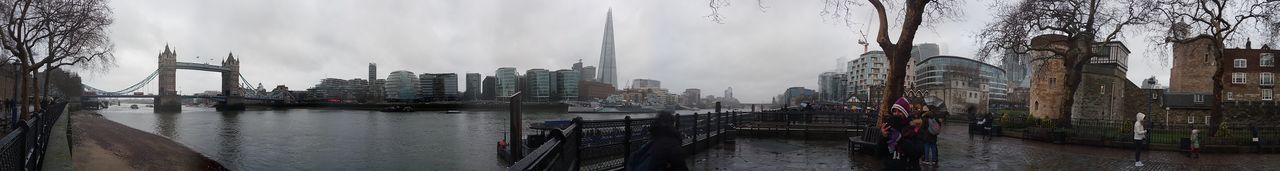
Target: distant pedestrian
{"x":990,"y":123}
{"x":1139,"y":134}
{"x":1195,"y":143}
{"x":665,"y":148}
{"x":900,"y":138}
{"x":1257,"y":144}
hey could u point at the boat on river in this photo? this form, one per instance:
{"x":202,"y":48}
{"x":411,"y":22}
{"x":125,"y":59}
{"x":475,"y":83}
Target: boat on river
{"x":398,"y":109}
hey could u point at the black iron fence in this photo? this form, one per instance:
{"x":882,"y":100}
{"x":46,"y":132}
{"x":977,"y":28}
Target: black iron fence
{"x":1119,"y":133}
{"x":608,"y":144}
{"x":24,"y":147}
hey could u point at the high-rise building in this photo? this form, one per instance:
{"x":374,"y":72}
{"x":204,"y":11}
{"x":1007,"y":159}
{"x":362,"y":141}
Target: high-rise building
{"x":473,"y":87}
{"x":373,"y":71}
{"x":506,"y":85}
{"x":539,"y":84}
{"x":489,"y":88}
{"x":867,"y":71}
{"x":728,"y":93}
{"x":919,"y":52}
{"x":427,"y":86}
{"x":641,"y":83}
{"x":691,"y":97}
{"x":589,"y":73}
{"x":567,"y":84}
{"x":608,"y":69}
{"x":449,"y":83}
{"x":401,"y":86}
{"x":438,"y":87}
{"x":832,"y":87}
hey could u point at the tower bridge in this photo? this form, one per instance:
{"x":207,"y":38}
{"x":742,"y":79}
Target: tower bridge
{"x":234,"y":85}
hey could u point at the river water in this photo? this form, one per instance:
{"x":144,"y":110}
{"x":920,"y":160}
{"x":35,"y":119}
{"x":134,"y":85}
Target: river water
{"x":320,"y":139}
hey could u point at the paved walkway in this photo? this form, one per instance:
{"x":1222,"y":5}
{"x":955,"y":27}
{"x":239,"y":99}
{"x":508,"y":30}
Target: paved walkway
{"x":58,"y":156}
{"x":959,"y":151}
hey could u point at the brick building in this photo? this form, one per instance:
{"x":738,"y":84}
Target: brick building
{"x":1249,"y":81}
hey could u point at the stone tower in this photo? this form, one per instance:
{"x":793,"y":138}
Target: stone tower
{"x":231,"y":85}
{"x":168,"y":100}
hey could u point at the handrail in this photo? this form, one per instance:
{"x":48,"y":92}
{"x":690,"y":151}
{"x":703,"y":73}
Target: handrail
{"x":608,"y":144}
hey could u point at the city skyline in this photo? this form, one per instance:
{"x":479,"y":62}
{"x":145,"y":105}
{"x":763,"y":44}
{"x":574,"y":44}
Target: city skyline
{"x":293,"y":44}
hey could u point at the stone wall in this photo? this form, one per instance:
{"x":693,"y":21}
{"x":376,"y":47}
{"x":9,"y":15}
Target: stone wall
{"x":1046,"y":89}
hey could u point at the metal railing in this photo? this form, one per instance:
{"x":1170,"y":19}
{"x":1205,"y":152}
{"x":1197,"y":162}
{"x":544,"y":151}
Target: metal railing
{"x":24,"y":147}
{"x":609,"y":144}
{"x":1104,"y":132}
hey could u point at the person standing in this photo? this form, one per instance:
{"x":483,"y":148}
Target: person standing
{"x":1139,"y":134}
{"x":1195,"y":143}
{"x":665,"y":148}
{"x":934,"y":127}
{"x":900,"y":138}
{"x":1257,"y":145}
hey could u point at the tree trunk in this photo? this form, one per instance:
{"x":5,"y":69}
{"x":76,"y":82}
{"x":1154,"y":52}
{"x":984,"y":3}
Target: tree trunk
{"x":22,"y":94}
{"x":895,"y":78}
{"x":1215,"y":109}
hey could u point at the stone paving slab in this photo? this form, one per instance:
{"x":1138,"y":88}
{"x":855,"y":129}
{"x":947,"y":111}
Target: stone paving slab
{"x":959,"y":151}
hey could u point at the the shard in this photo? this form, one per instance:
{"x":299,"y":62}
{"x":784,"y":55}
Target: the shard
{"x":608,"y":69}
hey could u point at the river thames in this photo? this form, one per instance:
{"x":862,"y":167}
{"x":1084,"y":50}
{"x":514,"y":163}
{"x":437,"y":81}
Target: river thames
{"x":323,"y":139}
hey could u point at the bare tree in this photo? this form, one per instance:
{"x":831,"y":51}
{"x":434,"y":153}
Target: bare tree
{"x":1080,"y":24}
{"x":913,"y":14}
{"x":1219,"y":21}
{"x":52,"y":34}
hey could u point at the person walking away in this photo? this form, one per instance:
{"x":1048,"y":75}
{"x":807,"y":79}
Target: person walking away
{"x":987,"y":128}
{"x":665,"y":148}
{"x":1139,"y":134}
{"x":1195,"y":143}
{"x":1257,"y":145}
{"x":900,"y":139}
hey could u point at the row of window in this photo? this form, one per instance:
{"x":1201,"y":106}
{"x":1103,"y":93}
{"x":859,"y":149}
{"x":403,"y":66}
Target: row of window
{"x":1265,"y":78}
{"x":1267,"y":94}
{"x":1267,"y":60}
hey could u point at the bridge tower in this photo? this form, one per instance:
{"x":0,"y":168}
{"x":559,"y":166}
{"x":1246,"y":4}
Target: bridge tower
{"x":231,"y":85}
{"x":168,"y":99}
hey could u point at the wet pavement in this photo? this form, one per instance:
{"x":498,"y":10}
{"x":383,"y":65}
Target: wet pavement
{"x":960,"y":151}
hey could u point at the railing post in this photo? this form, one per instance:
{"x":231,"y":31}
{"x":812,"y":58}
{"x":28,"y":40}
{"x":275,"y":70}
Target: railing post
{"x":576,"y":138}
{"x":626,"y":140}
{"x":693,"y":144}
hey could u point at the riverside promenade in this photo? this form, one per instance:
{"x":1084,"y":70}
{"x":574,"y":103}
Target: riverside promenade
{"x":101,"y":144}
{"x":959,"y":151}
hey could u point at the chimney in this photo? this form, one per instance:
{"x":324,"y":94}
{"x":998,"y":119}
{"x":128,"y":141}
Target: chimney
{"x":1248,"y":43}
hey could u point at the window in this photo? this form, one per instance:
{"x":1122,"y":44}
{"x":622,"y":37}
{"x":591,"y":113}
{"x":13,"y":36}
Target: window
{"x":1266,"y":78}
{"x":1154,"y":95}
{"x":1267,"y":94}
{"x":1238,"y":78}
{"x":1051,"y":82}
{"x":1241,"y":63}
{"x":1267,"y":60}
{"x":1231,"y":96}
{"x":1198,"y":98}
{"x":1102,"y":89}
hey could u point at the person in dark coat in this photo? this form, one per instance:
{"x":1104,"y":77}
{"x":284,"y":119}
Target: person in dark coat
{"x":901,"y":142}
{"x":665,"y":148}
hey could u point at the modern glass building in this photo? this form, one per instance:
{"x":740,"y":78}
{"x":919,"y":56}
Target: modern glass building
{"x":567,"y":84}
{"x":962,"y":82}
{"x":539,"y":84}
{"x":506,"y":85}
{"x":401,"y":86}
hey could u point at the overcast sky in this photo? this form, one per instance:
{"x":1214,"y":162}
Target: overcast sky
{"x":296,"y":43}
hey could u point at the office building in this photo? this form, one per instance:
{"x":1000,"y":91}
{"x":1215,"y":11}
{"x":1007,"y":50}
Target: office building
{"x":962,"y":83}
{"x":401,"y":86}
{"x":472,"y":91}
{"x":507,"y":83}
{"x":567,"y":84}
{"x":641,"y":83}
